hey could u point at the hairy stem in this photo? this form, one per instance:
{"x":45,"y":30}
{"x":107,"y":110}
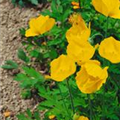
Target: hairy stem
{"x":71,"y":99}
{"x":90,"y":106}
{"x":63,"y":99}
{"x":107,"y":24}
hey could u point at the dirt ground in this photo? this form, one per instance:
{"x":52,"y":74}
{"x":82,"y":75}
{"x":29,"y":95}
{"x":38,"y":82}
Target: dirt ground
{"x":11,"y":20}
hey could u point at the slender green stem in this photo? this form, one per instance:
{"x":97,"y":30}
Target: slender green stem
{"x":107,"y":25}
{"x":45,"y":40}
{"x":63,"y":99}
{"x":115,"y":22}
{"x":115,"y":82}
{"x":79,"y":4}
{"x":71,"y":99}
{"x":90,"y":106}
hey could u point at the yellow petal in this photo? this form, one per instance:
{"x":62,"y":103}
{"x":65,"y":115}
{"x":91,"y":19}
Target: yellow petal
{"x":51,"y":117}
{"x":47,"y":77}
{"x":97,"y":46}
{"x":115,"y":14}
{"x":39,"y":25}
{"x":47,"y":25}
{"x":111,"y":4}
{"x":85,"y":83}
{"x":30,"y":33}
{"x":107,"y":7}
{"x":114,"y":8}
{"x":110,"y":49}
{"x":62,"y":67}
{"x":93,"y":69}
{"x":75,"y":3}
{"x":91,"y":77}
{"x":101,"y":7}
{"x":79,"y":31}
{"x":81,"y":51}
{"x":76,"y":7}
{"x":83,"y":118}
{"x":76,"y":34}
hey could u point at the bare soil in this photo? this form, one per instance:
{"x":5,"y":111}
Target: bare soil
{"x":11,"y":20}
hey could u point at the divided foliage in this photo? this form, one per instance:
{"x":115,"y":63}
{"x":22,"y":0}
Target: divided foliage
{"x":22,"y":3}
{"x":40,"y":50}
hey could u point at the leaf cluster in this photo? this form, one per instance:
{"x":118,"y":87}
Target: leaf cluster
{"x":23,"y":3}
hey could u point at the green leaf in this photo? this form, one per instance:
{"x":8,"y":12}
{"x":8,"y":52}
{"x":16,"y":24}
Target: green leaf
{"x":46,"y":55}
{"x":21,"y":117}
{"x":26,"y":94}
{"x":29,"y":113}
{"x":53,"y":54}
{"x":21,"y":3}
{"x":14,"y":2}
{"x":54,"y":42}
{"x":9,"y":64}
{"x":20,"y":77}
{"x":53,"y":5}
{"x":55,"y":30}
{"x":60,"y":9}
{"x":114,"y":69}
{"x":22,"y":31}
{"x":29,"y":78}
{"x":36,"y":53}
{"x":36,"y":115}
{"x":66,"y":13}
{"x":35,"y":2}
{"x":22,"y":55}
{"x":33,"y":73}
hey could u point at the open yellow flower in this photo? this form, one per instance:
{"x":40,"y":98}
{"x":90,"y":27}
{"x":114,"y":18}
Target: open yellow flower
{"x":80,"y":51}
{"x":78,"y":29}
{"x":107,"y":7}
{"x":75,"y":5}
{"x":91,"y":77}
{"x":39,"y":25}
{"x":82,"y":118}
{"x":75,"y":31}
{"x":110,"y":49}
{"x":62,"y":67}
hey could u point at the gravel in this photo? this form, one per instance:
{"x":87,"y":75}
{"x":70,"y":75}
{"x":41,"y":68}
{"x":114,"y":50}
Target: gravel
{"x":11,"y":20}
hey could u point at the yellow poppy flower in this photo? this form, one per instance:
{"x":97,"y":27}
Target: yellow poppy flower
{"x":62,"y":67}
{"x":107,"y":7}
{"x":81,"y":51}
{"x":81,"y":35}
{"x":78,"y":29}
{"x":39,"y":25}
{"x":91,"y":77}
{"x":75,"y":5}
{"x":110,"y":49}
{"x":82,"y":118}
